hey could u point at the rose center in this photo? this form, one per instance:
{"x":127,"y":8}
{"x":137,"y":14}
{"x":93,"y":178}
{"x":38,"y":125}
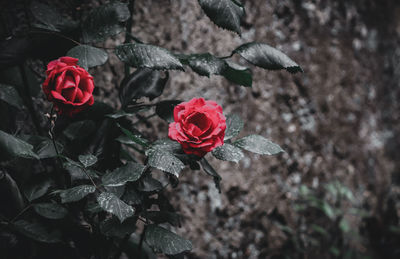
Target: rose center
{"x":197,"y":123}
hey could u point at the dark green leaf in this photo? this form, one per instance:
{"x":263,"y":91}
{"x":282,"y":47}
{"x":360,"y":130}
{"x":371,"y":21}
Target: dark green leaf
{"x":204,"y":64}
{"x":135,"y":138}
{"x":131,"y":196}
{"x":134,"y":245}
{"x":87,"y":160}
{"x":76,"y":193}
{"x":238,"y":74}
{"x":228,"y":152}
{"x":344,"y":226}
{"x":211,"y":171}
{"x":130,"y":172}
{"x":37,"y":188}
{"x":234,"y":125}
{"x":37,"y":232}
{"x":165,"y":144}
{"x":265,"y":56}
{"x":149,"y":184}
{"x":113,"y":228}
{"x":165,"y":109}
{"x":147,"y":56}
{"x":11,"y":147}
{"x":117,"y":190}
{"x":80,"y":129}
{"x":112,"y":204}
{"x":105,"y":21}
{"x":10,"y":95}
{"x":45,"y":149}
{"x":165,"y":161}
{"x":160,"y":217}
{"x":258,"y":144}
{"x":165,"y":241}
{"x":12,"y":76}
{"x":50,"y":18}
{"x":142,"y":83}
{"x":224,"y":13}
{"x":50,"y":210}
{"x":88,"y":56}
{"x":119,"y":114}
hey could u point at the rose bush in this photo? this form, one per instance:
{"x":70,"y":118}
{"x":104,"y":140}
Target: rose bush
{"x":68,"y":86}
{"x":199,"y":126}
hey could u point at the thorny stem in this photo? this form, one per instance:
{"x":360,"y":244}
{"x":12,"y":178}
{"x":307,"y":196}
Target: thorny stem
{"x":91,"y":179}
{"x":52,"y":118}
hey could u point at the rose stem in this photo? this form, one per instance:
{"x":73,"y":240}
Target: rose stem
{"x":60,"y":176}
{"x":28,"y":100}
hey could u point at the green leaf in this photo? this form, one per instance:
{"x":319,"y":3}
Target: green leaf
{"x":80,"y":129}
{"x":37,"y":231}
{"x":165,"y":241}
{"x":265,"y":56}
{"x":142,"y":83}
{"x":76,"y":193}
{"x":204,"y":64}
{"x":37,"y":188}
{"x":147,"y":56}
{"x":160,"y":217}
{"x":50,"y":210}
{"x":50,"y":18}
{"x":11,"y":147}
{"x":165,"y":144}
{"x":117,"y":190}
{"x":211,"y":171}
{"x":131,"y":196}
{"x":238,"y":74}
{"x":224,"y":13}
{"x":234,"y":125}
{"x":87,"y":160}
{"x":130,"y":172}
{"x":135,"y":138}
{"x":111,"y":227}
{"x":112,"y":204}
{"x":45,"y":149}
{"x":149,"y":184}
{"x":105,"y":21}
{"x":88,"y":56}
{"x":10,"y":95}
{"x":165,"y":109}
{"x":207,"y":64}
{"x":320,"y":230}
{"x":259,"y":145}
{"x":228,"y":152}
{"x":328,"y":210}
{"x":12,"y":76}
{"x":165,"y":161}
{"x":344,"y":226}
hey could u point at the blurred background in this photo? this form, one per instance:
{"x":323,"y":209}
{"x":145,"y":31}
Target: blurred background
{"x":335,"y":192}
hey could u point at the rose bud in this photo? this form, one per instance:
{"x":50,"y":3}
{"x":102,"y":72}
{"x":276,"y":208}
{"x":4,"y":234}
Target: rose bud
{"x":68,"y":86}
{"x":199,"y":126}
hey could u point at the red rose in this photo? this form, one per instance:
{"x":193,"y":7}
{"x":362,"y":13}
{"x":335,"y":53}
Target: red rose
{"x":199,"y":126}
{"x":68,"y":86}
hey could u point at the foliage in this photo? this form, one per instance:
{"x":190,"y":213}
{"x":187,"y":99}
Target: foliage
{"x":94,"y":187}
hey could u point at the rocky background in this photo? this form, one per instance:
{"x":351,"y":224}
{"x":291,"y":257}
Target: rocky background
{"x":338,"y":121}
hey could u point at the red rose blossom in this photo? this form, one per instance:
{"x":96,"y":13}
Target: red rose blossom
{"x":68,"y":86}
{"x":199,"y":126}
